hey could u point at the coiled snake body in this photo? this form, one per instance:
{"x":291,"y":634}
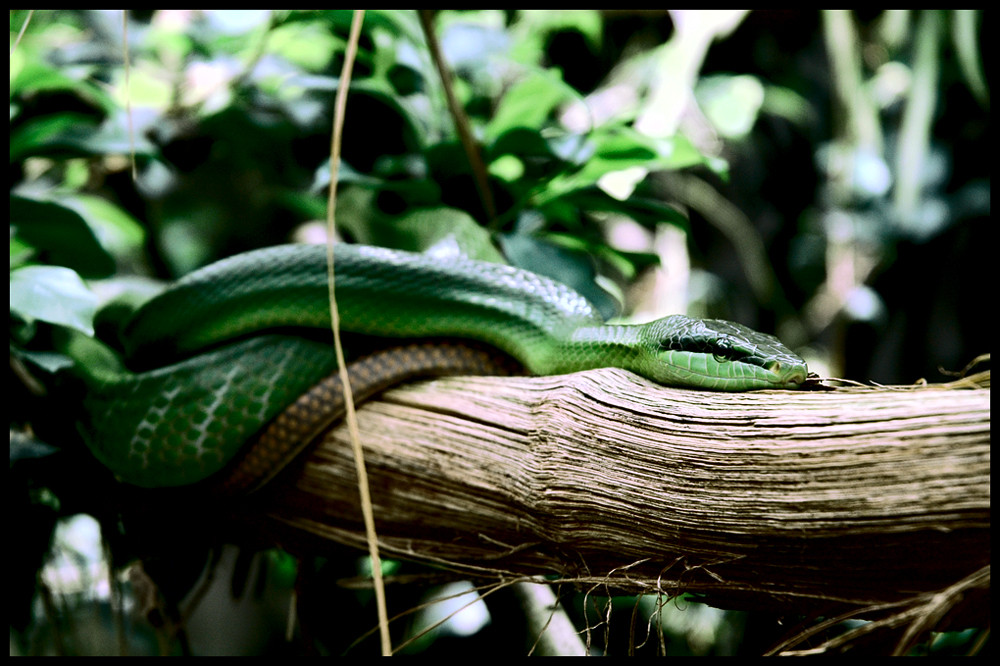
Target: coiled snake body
{"x":235,"y":363}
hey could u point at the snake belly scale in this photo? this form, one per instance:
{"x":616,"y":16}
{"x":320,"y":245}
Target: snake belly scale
{"x":220,"y":353}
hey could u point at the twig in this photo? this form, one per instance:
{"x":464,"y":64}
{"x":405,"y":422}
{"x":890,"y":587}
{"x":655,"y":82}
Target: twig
{"x":461,"y":122}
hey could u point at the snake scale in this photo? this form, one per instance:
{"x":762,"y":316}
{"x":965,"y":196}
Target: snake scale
{"x":227,"y":349}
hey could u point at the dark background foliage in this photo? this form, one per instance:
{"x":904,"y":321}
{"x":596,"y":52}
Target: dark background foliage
{"x":851,"y":224}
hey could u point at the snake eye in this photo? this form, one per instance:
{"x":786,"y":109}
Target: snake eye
{"x":773,"y":366}
{"x":724,"y":350}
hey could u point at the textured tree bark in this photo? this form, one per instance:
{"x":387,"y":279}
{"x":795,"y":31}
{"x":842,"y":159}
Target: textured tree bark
{"x":779,"y":499}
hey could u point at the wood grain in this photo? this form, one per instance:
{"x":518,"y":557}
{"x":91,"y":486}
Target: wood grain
{"x":850,"y":496}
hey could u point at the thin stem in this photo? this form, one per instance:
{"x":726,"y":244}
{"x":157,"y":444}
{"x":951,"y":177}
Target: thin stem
{"x":340,"y":109}
{"x":461,"y":121}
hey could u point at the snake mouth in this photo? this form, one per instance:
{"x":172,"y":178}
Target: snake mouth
{"x":787,"y":375}
{"x":712,"y":371}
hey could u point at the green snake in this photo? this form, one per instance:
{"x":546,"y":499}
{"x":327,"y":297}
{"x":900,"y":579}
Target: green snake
{"x":225,"y":350}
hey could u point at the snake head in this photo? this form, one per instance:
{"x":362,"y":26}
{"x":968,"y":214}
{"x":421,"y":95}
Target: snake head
{"x":720,"y":355}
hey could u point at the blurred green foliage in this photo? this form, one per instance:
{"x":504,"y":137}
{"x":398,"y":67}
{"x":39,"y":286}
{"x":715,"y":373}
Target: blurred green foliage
{"x":826,"y":170}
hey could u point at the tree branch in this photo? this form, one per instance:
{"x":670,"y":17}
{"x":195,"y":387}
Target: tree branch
{"x":844,"y":498}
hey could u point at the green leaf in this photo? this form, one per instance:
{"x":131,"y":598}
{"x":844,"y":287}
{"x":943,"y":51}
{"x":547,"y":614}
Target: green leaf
{"x":529,"y":103}
{"x":536,"y":25}
{"x":43,"y":135}
{"x":626,"y":264}
{"x":52,"y":294}
{"x":572,"y":268}
{"x":36,"y":76}
{"x":441,"y":231}
{"x":619,"y":149}
{"x":522,"y":142}
{"x":76,"y":134}
{"x":119,"y":232}
{"x":644,"y":210}
{"x":60,"y":235}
